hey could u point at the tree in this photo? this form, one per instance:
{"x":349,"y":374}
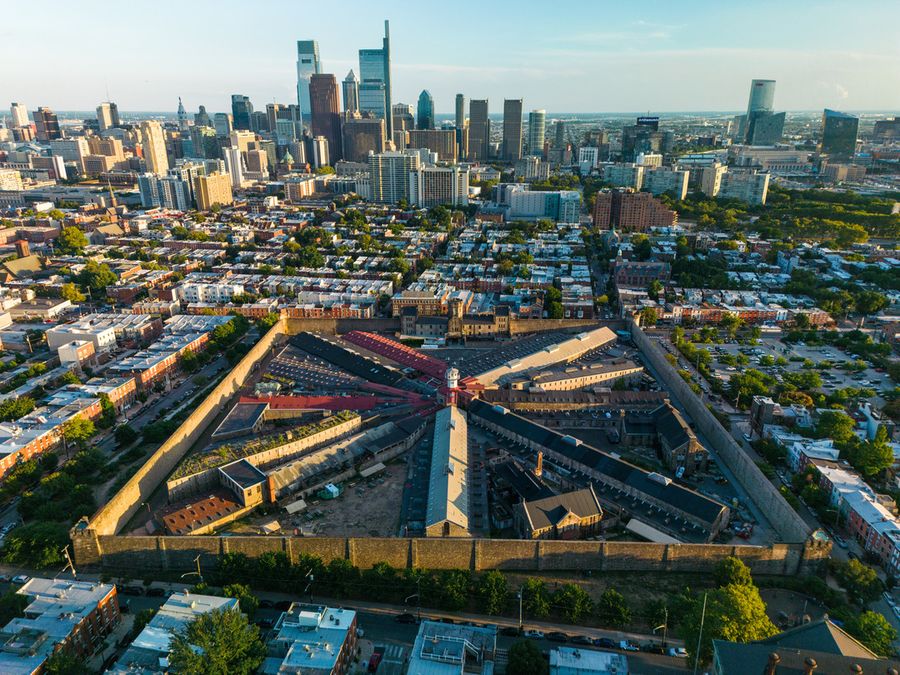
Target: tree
{"x":108,"y":412}
{"x":860,"y":580}
{"x":612,"y":610}
{"x":574,"y":602}
{"x":96,"y":276}
{"x":70,"y":292}
{"x":731,"y":323}
{"x":13,"y":408}
{"x":70,"y":378}
{"x":872,"y":457}
{"x":525,"y":658}
{"x":732,"y":570}
{"x":734,"y":612}
{"x":63,"y":662}
{"x":648,"y":316}
{"x":492,"y":592}
{"x":71,"y":240}
{"x":125,"y":435}
{"x":654,"y":289}
{"x":249,"y":603}
{"x":742,"y":387}
{"x":535,"y":598}
{"x":873,"y":630}
{"x":78,"y":430}
{"x":220,"y":642}
{"x":835,"y":425}
{"x":37,"y":545}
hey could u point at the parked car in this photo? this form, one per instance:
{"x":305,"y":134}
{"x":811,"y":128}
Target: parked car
{"x":21,"y":579}
{"x":509,"y":630}
{"x":678,"y":652}
{"x":627,"y":646}
{"x":5,"y":578}
{"x":532,"y":633}
{"x":156,"y":592}
{"x":557,"y":636}
{"x":406,"y":617}
{"x":606,"y":643}
{"x":581,"y":640}
{"x":840,"y":541}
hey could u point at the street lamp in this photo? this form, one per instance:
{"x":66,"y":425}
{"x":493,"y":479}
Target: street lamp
{"x":519,"y":596}
{"x":664,"y":627}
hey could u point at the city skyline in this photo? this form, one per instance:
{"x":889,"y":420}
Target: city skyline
{"x":659,"y":58}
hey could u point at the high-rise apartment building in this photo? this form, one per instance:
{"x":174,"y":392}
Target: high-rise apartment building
{"x":213,"y":189}
{"x":153,"y":143}
{"x":460,"y":118}
{"x":839,"y":132}
{"x":711,"y":179}
{"x":318,"y":151}
{"x":537,"y":121}
{"x":425,"y":111}
{"x":241,"y":111}
{"x":479,"y":130}
{"x":19,"y":114}
{"x":512,"y":129}
{"x":325,"y":107}
{"x":438,"y":185}
{"x":748,"y":186}
{"x":662,"y":180}
{"x":631,"y":211}
{"x":624,"y":175}
{"x":234,"y":165}
{"x":375,"y":81}
{"x":560,"y":140}
{"x":403,"y":119}
{"x":389,"y":174}
{"x":351,"y":93}
{"x":46,"y":124}
{"x":441,"y":141}
{"x":307,"y":66}
{"x":363,"y":136}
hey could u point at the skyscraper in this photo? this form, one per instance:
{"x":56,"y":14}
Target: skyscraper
{"x":375,"y":81}
{"x":324,"y":103}
{"x":362,"y":136}
{"x":153,"y":142}
{"x":182,"y":116}
{"x":512,"y":129}
{"x":104,"y":116}
{"x":479,"y":130}
{"x":839,"y":131}
{"x":460,"y":111}
{"x":241,"y":111}
{"x":389,"y":174}
{"x":307,"y":66}
{"x":351,"y":93}
{"x":762,"y":126}
{"x":537,"y":120}
{"x":201,"y":119}
{"x":560,"y":134}
{"x":46,"y":124}
{"x":19,"y":114}
{"x":223,"y":124}
{"x":425,"y":111}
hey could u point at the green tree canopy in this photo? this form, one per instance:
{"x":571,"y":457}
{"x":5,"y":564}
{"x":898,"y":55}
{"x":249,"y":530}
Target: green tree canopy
{"x":492,"y":592}
{"x":874,"y":631}
{"x":732,"y":570}
{"x":525,"y":658}
{"x":220,"y":642}
{"x":96,"y":276}
{"x":71,"y":240}
{"x":249,"y":603}
{"x":535,"y":598}
{"x":872,"y":457}
{"x":78,"y":430}
{"x":612,"y":610}
{"x":70,"y":292}
{"x":574,"y":602}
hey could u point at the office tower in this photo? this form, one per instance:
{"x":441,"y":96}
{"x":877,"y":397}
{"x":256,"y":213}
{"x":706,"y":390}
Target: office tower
{"x":560,"y":134}
{"x":211,"y":190}
{"x":258,"y":162}
{"x":288,"y":124}
{"x":350,"y":88}
{"x":403,"y":118}
{"x":588,"y":159}
{"x":201,"y":119}
{"x":375,"y":81}
{"x":630,"y":211}
{"x":72,"y":150}
{"x":624,"y":175}
{"x":241,"y":110}
{"x":512,"y":129}
{"x":325,"y":106}
{"x":839,"y":131}
{"x":234,"y":165}
{"x":425,"y":111}
{"x":183,"y":124}
{"x":148,"y":185}
{"x":362,"y":136}
{"x":642,"y":137}
{"x":389,"y":175}
{"x":439,"y":185}
{"x":532,"y":168}
{"x":223,"y":124}
{"x":104,"y":117}
{"x":46,"y":124}
{"x":307,"y":66}
{"x":318,"y":151}
{"x":242,"y":140}
{"x":537,"y":120}
{"x":109,"y":147}
{"x":886,"y":131}
{"x":272,"y":110}
{"x":19,"y":114}
{"x":114,"y":113}
{"x":762,"y":126}
{"x":479,"y":130}
{"x":460,"y":111}
{"x":259,"y":121}
{"x":441,"y":141}
{"x":204,"y":141}
{"x":661,"y":180}
{"x":153,"y":142}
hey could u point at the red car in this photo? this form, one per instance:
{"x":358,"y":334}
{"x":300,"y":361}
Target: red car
{"x":374,"y":661}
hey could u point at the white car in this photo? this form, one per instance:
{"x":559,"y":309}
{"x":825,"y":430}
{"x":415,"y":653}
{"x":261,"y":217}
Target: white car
{"x":21,"y":579}
{"x":533,"y":634}
{"x":678,"y":652}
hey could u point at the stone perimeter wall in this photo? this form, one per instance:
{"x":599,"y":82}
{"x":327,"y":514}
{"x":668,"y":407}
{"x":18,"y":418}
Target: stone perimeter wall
{"x":783,"y":519}
{"x":176,"y":554}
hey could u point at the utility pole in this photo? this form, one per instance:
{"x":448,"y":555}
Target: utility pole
{"x":700,"y":635}
{"x":70,"y":564}
{"x":520,"y":608}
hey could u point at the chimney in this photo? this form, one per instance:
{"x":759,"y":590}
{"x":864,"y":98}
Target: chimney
{"x":22,"y":248}
{"x":809,"y":665}
{"x":774,"y":659}
{"x":539,"y":467}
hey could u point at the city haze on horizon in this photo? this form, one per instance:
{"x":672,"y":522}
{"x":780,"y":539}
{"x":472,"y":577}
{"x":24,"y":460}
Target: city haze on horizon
{"x":603,"y":59}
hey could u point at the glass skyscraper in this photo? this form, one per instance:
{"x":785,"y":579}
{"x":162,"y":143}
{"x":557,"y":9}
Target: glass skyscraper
{"x":425,"y":111}
{"x":375,"y":81}
{"x":307,"y":65}
{"x":839,"y":131}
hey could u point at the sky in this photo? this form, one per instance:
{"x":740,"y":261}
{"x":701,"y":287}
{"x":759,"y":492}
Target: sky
{"x":585,"y":56}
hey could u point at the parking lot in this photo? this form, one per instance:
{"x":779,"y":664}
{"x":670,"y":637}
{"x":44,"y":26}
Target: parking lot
{"x":309,"y":374}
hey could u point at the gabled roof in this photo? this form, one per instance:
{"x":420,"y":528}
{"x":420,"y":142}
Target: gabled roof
{"x":822,"y":636}
{"x":548,"y":512}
